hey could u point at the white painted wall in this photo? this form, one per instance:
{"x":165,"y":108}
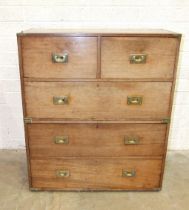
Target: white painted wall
{"x":17,"y":15}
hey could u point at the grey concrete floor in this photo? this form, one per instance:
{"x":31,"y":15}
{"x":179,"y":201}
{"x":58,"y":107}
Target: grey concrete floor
{"x":14,"y":193}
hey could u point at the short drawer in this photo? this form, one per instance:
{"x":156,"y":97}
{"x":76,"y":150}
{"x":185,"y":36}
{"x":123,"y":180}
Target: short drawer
{"x":59,"y":57}
{"x":98,"y":100}
{"x":138,"y":57}
{"x":96,"y":140}
{"x":98,"y":173}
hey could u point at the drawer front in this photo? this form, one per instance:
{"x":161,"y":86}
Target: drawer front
{"x":59,"y":57}
{"x":97,"y":140}
{"x":105,"y":174}
{"x":138,"y":57}
{"x":98,"y":100}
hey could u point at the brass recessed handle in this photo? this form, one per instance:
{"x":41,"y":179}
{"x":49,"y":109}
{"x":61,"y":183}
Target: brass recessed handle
{"x":134,"y":100}
{"x":138,"y":58}
{"x":60,"y":100}
{"x":61,"y":140}
{"x":60,"y":58}
{"x":128,"y":173}
{"x":62,"y":173}
{"x":131,"y":140}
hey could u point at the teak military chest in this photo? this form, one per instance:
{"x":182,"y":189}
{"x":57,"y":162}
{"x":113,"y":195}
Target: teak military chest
{"x":97,"y":107}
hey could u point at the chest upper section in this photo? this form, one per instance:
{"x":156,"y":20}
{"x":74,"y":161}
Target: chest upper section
{"x":99,"y":56}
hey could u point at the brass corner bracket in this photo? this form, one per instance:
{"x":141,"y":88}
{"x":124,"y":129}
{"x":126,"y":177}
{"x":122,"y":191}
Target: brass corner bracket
{"x":28,"y":120}
{"x":166,"y":120}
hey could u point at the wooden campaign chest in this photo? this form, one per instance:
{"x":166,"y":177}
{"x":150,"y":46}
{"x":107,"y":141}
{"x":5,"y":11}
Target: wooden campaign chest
{"x":97,"y":107}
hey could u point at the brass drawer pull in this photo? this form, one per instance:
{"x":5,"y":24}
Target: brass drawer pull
{"x":131,"y":140}
{"x":61,"y":140}
{"x":60,"y":58}
{"x":63,"y":173}
{"x":60,"y":100}
{"x":138,"y":58}
{"x":134,"y":100}
{"x":127,"y":173}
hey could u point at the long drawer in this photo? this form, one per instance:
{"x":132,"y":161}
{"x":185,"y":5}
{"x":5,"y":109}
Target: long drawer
{"x":96,"y":140}
{"x":98,"y":173}
{"x":98,"y":100}
{"x":59,"y":57}
{"x":138,"y":57}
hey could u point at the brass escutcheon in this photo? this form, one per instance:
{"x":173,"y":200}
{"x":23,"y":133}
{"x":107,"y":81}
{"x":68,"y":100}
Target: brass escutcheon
{"x":60,"y":100}
{"x":61,"y":140}
{"x":60,"y":58}
{"x":138,"y":58}
{"x":134,"y":100}
{"x":62,"y":173}
{"x":131,"y":140}
{"x":127,"y":173}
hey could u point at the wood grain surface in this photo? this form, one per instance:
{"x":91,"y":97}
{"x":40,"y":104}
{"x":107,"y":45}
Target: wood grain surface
{"x":98,"y":100}
{"x":95,"y":31}
{"x":96,"y":140}
{"x":116,"y":51}
{"x":96,"y":173}
{"x":37,"y":57}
